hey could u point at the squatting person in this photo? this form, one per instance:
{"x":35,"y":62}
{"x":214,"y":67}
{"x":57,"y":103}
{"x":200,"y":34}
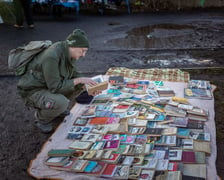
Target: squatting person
{"x":51,"y":79}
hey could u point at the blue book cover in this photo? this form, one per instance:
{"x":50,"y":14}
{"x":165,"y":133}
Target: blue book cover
{"x":90,"y":166}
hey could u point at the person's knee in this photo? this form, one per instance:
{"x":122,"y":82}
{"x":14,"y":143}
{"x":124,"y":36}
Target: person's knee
{"x":61,"y":103}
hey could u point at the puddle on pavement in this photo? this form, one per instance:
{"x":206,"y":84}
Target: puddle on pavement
{"x":171,"y":36}
{"x":169,"y":60}
{"x":156,"y":36}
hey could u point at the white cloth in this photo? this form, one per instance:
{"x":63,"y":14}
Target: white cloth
{"x":38,"y":169}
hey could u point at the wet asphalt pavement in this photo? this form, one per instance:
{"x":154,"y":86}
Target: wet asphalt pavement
{"x":139,"y":40}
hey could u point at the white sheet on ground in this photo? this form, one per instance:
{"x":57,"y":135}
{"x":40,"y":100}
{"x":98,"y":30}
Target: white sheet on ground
{"x":39,"y":170}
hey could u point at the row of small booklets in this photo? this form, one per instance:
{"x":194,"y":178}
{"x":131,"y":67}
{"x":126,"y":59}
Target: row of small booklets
{"x":137,"y":129}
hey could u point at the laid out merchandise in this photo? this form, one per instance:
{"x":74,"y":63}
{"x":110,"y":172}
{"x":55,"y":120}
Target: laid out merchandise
{"x":137,"y":129}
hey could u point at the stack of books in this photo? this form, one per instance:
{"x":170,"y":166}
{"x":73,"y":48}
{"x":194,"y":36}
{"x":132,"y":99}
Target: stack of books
{"x":199,"y":89}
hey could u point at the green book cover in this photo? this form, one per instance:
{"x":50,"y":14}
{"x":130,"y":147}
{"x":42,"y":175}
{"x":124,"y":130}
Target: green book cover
{"x":61,"y":152}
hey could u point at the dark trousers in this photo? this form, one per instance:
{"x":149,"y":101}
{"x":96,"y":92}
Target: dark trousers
{"x":23,"y":8}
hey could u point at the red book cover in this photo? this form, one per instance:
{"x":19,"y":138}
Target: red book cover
{"x":109,"y":170}
{"x":188,"y":157}
{"x":122,"y":107}
{"x":133,"y":86}
{"x":98,"y":120}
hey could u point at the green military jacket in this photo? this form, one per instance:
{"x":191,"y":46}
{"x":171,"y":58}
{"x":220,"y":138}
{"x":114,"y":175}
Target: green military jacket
{"x":52,"y":69}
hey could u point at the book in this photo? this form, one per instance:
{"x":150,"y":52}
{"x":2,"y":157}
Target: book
{"x":149,"y":163}
{"x":173,"y":103}
{"x":91,"y":137}
{"x":108,"y":137}
{"x":103,"y":96}
{"x":80,"y":129}
{"x":199,"y":136}
{"x":134,"y":172}
{"x":138,"y":160}
{"x":197,"y":117}
{"x":113,"y":159}
{"x":202,"y":146}
{"x":147,"y":174}
{"x":120,"y":108}
{"x":171,"y":175}
{"x":162,"y":165}
{"x":99,"y":80}
{"x":56,"y":160}
{"x":79,"y":154}
{"x":198,"y":111}
{"x":80,"y":121}
{"x":99,"y":101}
{"x":122,"y":149}
{"x":116,"y":80}
{"x":116,"y":128}
{"x":72,"y":136}
{"x":90,"y":166}
{"x":136,"y":150}
{"x":80,"y":145}
{"x":98,"y":120}
{"x":200,"y":157}
{"x":99,"y":87}
{"x":183,"y":132}
{"x":136,"y":130}
{"x":174,"y":111}
{"x":187,"y":144}
{"x":166,"y":141}
{"x":109,"y":170}
{"x":188,"y":157}
{"x":100,"y":129}
{"x":199,"y":84}
{"x":140,"y":123}
{"x":79,"y":165}
{"x":166,"y":92}
{"x":150,"y":116}
{"x":89,"y":111}
{"x":128,"y":160}
{"x":169,"y":131}
{"x":129,"y":139}
{"x":154,"y":131}
{"x":195,"y":170}
{"x":60,"y":152}
{"x":185,"y":106}
{"x":67,"y":166}
{"x":194,"y":124}
{"x":141,"y":139}
{"x":106,"y":155}
{"x":198,"y":93}
{"x":98,"y":145}
{"x":177,"y":121}
{"x":90,"y":154}
{"x":175,"y":166}
{"x":97,"y":170}
{"x":121,"y":172}
{"x":112,"y":145}
{"x":175,"y":154}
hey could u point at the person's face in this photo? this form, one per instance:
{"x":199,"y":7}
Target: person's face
{"x":77,"y":52}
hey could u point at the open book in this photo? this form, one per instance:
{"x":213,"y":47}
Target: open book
{"x":101,"y":85}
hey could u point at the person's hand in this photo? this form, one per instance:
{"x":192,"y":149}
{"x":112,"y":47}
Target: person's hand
{"x":84,"y":80}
